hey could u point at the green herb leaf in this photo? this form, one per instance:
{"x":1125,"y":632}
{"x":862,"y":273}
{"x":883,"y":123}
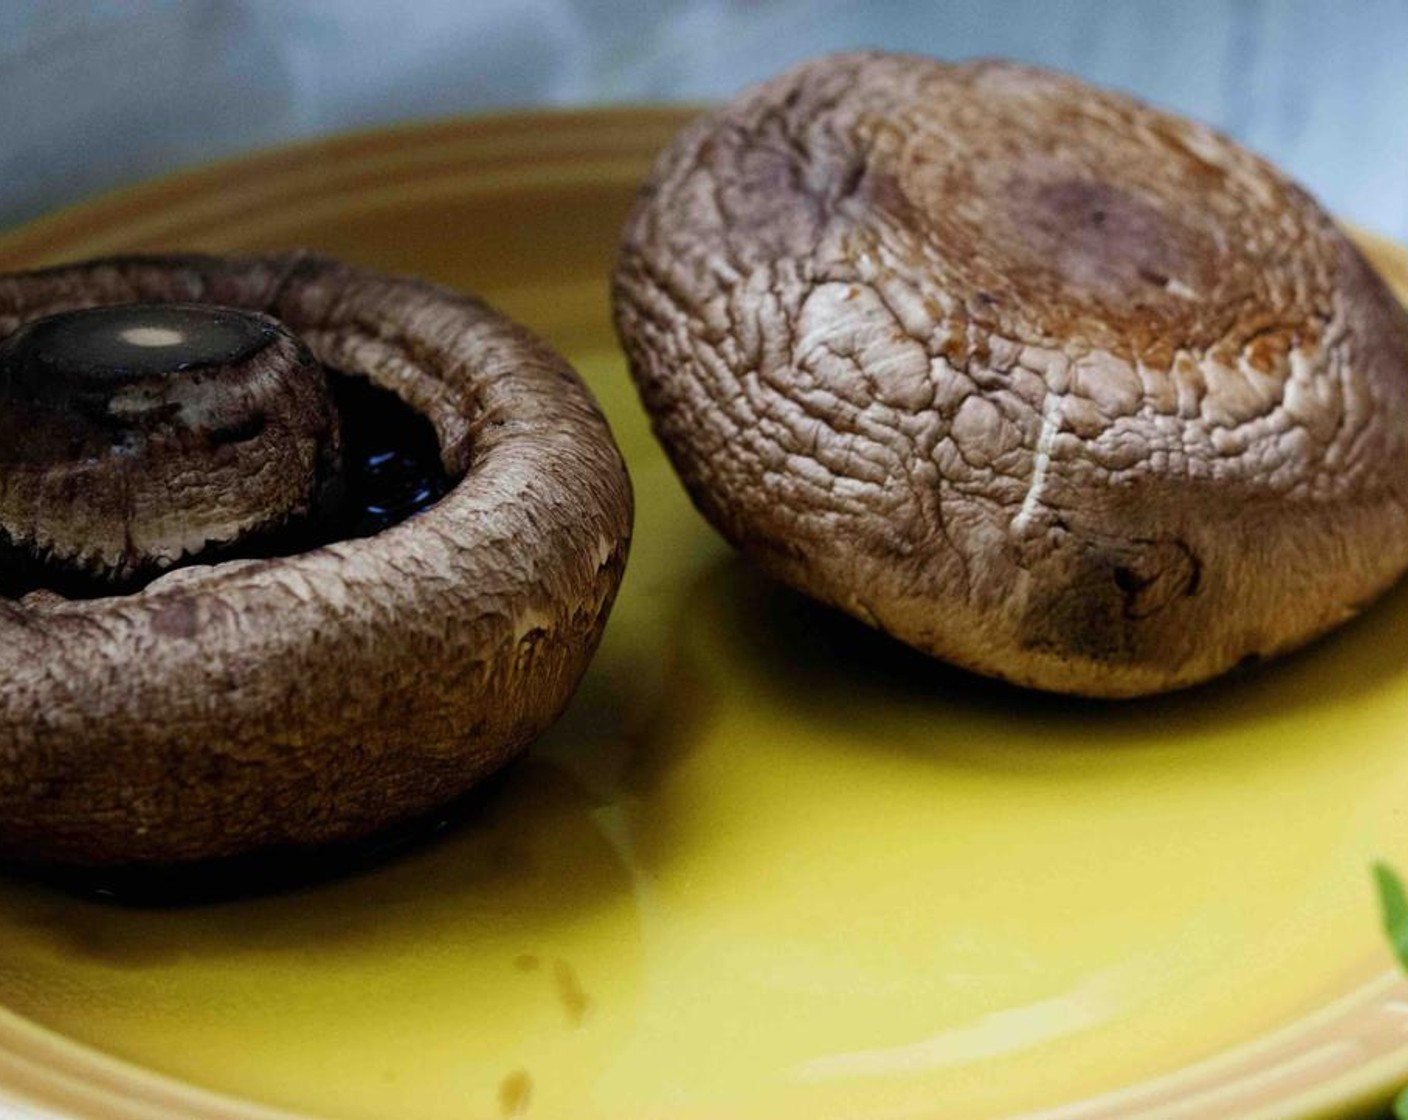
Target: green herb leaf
{"x":1394,"y":901}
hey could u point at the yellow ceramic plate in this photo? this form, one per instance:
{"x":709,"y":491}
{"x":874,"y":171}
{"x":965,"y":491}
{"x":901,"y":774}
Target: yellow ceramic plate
{"x":769,"y":865}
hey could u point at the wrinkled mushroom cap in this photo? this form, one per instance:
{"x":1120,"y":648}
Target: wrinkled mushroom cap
{"x":321,"y":695}
{"x":1034,"y":377}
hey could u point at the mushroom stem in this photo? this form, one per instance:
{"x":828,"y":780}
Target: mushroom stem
{"x":135,"y":436}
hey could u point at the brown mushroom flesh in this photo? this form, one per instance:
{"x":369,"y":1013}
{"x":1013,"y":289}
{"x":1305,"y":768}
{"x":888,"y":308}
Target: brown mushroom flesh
{"x":319,"y":696}
{"x":1031,"y":376}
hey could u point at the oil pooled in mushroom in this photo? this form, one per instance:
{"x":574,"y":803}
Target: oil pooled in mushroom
{"x":391,"y":460}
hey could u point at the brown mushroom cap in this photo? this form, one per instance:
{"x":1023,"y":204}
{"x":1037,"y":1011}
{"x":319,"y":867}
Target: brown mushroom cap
{"x":1034,"y":377}
{"x":319,"y":696}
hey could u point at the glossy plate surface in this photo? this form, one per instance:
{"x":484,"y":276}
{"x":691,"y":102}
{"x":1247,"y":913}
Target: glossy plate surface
{"x":769,"y":864}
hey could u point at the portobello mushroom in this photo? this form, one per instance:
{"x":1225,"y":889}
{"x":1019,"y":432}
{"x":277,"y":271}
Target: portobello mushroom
{"x":201,"y":653}
{"x":1034,"y":377}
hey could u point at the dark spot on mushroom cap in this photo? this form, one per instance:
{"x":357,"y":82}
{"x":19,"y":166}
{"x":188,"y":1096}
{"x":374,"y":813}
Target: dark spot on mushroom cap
{"x":178,"y":622}
{"x":1099,"y":244}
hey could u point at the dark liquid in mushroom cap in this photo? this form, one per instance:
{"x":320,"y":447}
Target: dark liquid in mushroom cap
{"x":391,"y":460}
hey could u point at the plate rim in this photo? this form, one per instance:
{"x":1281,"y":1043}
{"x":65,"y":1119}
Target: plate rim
{"x":47,"y":1075}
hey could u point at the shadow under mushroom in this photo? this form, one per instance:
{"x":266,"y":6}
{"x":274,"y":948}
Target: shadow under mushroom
{"x":821,"y":665}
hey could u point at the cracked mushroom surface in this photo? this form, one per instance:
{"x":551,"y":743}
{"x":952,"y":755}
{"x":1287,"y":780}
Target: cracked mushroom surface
{"x":1034,"y":377}
{"x":293,"y":676}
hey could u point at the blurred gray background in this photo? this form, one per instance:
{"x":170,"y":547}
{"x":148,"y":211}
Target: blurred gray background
{"x":97,"y":94}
